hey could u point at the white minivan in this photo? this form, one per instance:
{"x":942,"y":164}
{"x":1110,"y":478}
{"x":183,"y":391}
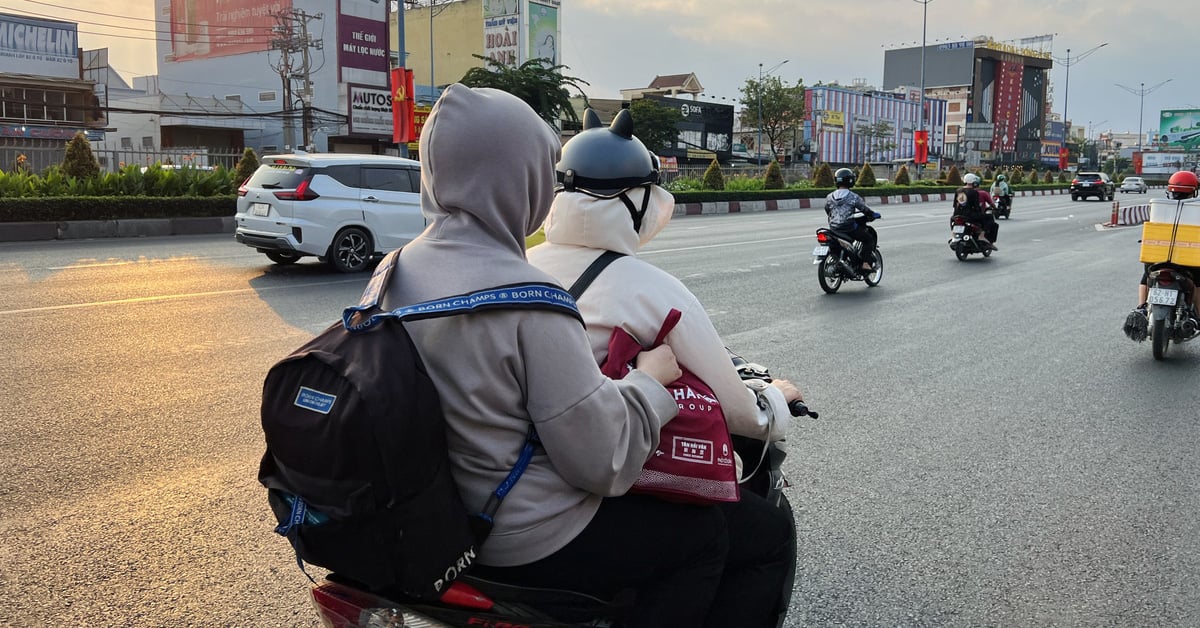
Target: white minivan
{"x":343,"y":209}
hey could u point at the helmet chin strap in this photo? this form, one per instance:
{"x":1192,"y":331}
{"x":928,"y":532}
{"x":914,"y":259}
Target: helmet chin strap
{"x":634,"y":213}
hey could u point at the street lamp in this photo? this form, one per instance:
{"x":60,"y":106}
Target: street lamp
{"x":1141,"y":94}
{"x":921,"y":97}
{"x":758,"y":142}
{"x":1067,"y":84}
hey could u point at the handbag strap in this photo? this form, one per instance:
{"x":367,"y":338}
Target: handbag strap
{"x":591,"y":272}
{"x":672,"y":319}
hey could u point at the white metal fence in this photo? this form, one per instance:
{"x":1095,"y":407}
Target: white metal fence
{"x":41,"y":154}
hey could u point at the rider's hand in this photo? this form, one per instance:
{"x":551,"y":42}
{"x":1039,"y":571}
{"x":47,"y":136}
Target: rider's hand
{"x":660,"y":364}
{"x":789,"y":390}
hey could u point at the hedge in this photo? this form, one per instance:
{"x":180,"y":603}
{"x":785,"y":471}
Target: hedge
{"x":64,"y":208}
{"x":709,"y":196}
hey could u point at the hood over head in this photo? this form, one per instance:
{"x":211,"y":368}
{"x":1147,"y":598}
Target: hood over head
{"x":487,"y":181}
{"x":580,"y":219}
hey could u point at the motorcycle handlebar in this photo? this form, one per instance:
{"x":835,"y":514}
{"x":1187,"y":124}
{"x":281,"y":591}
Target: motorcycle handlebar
{"x":798,"y":408}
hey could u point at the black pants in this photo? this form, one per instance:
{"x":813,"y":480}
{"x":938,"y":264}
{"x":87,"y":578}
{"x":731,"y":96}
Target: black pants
{"x":869,"y":240}
{"x":990,"y":227}
{"x":689,"y":565}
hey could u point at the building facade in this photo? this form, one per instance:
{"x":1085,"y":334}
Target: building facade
{"x":44,"y":98}
{"x":847,"y":126}
{"x":998,"y":94}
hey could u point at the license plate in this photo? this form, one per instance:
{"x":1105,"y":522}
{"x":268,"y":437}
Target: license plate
{"x":260,"y":209}
{"x":959,"y":229}
{"x":1162,"y":296}
{"x":820,"y":250}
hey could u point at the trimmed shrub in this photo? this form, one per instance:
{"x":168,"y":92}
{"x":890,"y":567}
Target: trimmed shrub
{"x":1062,"y":176}
{"x":989,"y":174}
{"x":866,"y":177}
{"x":245,"y":166}
{"x":823,"y":177}
{"x":902,"y":176}
{"x":1047,"y":177}
{"x":79,"y":162}
{"x":773,"y":179}
{"x":714,"y":179}
{"x":953,"y":177}
{"x":1017,"y":176}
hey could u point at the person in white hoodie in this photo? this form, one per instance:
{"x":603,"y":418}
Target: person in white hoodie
{"x":609,"y":200}
{"x":487,"y":181}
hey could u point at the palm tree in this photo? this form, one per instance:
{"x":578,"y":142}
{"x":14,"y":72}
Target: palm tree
{"x":541,"y":85}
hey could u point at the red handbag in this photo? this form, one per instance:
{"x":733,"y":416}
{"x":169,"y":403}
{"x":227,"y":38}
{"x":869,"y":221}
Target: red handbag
{"x":694,"y":460}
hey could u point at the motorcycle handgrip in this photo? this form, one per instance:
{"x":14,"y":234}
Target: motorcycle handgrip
{"x":798,"y":408}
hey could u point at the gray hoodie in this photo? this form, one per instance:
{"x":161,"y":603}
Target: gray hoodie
{"x":487,"y":181}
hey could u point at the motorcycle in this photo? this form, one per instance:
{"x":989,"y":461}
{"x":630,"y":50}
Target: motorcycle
{"x":838,"y":258}
{"x":1168,"y":309}
{"x":1003,"y":207}
{"x":964,"y":238}
{"x":475,"y":602}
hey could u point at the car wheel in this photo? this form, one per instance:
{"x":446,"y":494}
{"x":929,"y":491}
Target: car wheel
{"x":1074,"y":197}
{"x":283,"y":258}
{"x":350,"y":251}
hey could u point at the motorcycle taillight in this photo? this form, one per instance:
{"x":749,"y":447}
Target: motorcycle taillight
{"x":959,"y":220}
{"x":343,"y":607}
{"x":823,"y":237}
{"x":1165,"y":277}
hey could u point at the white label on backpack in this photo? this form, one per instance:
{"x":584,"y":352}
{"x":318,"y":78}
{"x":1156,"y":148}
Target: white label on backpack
{"x":314,"y":400}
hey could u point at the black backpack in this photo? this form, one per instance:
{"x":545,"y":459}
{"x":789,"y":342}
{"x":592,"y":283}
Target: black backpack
{"x":356,"y":467}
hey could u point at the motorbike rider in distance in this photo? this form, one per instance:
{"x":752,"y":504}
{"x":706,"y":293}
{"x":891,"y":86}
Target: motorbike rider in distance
{"x":970,"y":202}
{"x":841,"y":205}
{"x":1181,"y":186}
{"x":1001,"y":191}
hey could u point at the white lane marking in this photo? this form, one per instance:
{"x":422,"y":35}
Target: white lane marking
{"x":169,"y":297}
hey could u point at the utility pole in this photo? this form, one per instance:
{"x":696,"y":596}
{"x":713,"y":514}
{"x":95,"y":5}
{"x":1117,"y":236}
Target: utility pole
{"x":291,"y":37}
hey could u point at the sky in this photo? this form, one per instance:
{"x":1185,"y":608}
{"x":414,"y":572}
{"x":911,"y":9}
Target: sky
{"x":620,"y":44}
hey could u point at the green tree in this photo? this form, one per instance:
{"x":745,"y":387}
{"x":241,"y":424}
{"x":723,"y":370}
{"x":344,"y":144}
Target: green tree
{"x":79,"y":162}
{"x":714,"y":179}
{"x":782,"y":108}
{"x":655,"y":124}
{"x":245,"y":166}
{"x":866,"y":177}
{"x":823,"y":177}
{"x":880,"y":137}
{"x":538,"y":82}
{"x":902,"y":176}
{"x":773,"y":179}
{"x":953,"y":177}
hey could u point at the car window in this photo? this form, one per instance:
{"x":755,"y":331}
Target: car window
{"x":387,"y":179}
{"x":414,"y":177}
{"x":346,"y":175}
{"x":1089,"y":176}
{"x":277,"y":177}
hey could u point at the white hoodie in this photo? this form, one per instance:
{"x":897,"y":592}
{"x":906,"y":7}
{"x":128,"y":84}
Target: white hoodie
{"x":636,"y":295}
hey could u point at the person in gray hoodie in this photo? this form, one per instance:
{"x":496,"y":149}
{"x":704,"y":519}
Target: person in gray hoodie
{"x":609,"y":200}
{"x":487,"y":182}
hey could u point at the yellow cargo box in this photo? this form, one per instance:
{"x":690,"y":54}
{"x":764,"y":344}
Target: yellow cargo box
{"x":1167,"y":242}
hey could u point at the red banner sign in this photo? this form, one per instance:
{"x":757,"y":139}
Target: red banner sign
{"x":402,"y":106}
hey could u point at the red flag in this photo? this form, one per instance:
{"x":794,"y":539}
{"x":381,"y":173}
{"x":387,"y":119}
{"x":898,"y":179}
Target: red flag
{"x":402,"y":105}
{"x":921,"y":147}
{"x":1062,"y":158}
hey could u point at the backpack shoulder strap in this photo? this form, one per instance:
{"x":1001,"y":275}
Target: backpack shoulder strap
{"x":593,"y":270}
{"x":532,"y":295}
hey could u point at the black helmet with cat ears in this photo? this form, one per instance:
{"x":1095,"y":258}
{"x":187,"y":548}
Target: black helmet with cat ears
{"x":605,"y":161}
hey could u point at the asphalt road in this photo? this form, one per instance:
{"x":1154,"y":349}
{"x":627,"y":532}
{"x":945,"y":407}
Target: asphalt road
{"x":991,"y":450}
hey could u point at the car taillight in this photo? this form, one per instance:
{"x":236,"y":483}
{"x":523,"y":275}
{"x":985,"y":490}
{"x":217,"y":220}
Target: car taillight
{"x":302,"y":193}
{"x":1074,"y":181}
{"x":242,"y":190}
{"x":822,"y":238}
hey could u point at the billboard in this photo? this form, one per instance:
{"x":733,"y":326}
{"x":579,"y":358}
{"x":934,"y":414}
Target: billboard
{"x":543,"y":30}
{"x":946,"y":65}
{"x":1052,"y":142}
{"x":203,"y":29}
{"x":362,"y":42}
{"x":1158,"y":163}
{"x":502,"y":31}
{"x":33,"y":46}
{"x":370,"y":110}
{"x":1179,"y":127}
